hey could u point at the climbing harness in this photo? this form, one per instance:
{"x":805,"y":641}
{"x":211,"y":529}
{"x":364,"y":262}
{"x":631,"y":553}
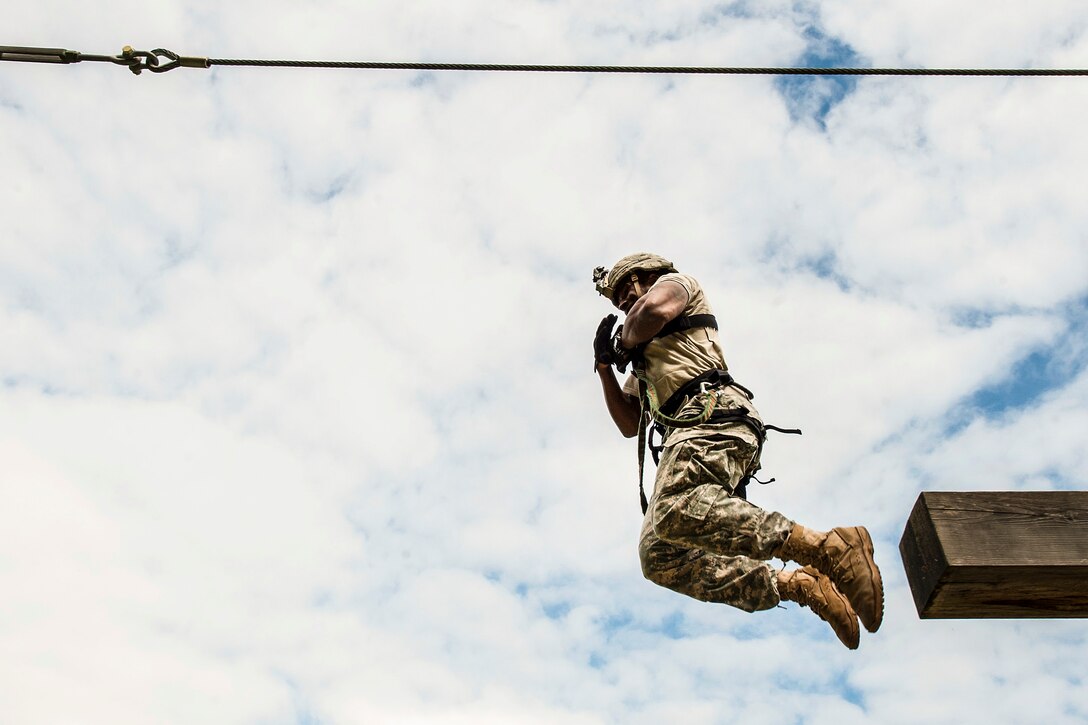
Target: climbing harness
{"x":656,"y":418}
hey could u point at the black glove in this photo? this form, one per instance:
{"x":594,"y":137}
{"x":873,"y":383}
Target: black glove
{"x":602,"y":343}
{"x":608,"y":348}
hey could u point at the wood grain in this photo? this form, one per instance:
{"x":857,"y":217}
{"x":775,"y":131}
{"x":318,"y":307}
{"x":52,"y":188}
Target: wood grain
{"x":998,"y":554}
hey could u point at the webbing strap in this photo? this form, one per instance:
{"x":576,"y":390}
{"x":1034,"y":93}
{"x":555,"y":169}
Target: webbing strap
{"x":712,"y":378}
{"x":642,"y":423}
{"x":679,"y":324}
{"x":650,"y":410}
{"x":649,"y":394}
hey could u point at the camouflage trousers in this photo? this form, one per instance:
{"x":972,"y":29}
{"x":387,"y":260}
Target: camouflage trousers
{"x":699,"y":539}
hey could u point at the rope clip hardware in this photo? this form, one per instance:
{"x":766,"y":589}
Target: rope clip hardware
{"x":150,"y":60}
{"x":136,"y":61}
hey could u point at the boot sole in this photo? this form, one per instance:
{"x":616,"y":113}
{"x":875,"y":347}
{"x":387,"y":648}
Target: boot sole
{"x":867,"y":543}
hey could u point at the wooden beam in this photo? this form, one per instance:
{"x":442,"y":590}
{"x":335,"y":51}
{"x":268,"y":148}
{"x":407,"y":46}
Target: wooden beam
{"x":986,"y":554}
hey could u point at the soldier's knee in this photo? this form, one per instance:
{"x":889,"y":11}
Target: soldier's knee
{"x":655,"y":564}
{"x":661,"y":576}
{"x":646,"y":560}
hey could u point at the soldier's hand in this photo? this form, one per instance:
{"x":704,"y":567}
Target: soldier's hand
{"x":620,"y":355}
{"x":602,"y":342}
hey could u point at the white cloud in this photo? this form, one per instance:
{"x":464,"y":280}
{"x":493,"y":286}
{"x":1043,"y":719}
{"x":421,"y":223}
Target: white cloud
{"x":296,"y":411}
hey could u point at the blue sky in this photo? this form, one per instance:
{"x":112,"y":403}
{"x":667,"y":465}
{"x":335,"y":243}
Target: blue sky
{"x":297,"y":418}
{"x":1041,"y":371}
{"x":813,"y":97}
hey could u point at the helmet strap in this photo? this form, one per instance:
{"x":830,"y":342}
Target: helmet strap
{"x":638,"y":287}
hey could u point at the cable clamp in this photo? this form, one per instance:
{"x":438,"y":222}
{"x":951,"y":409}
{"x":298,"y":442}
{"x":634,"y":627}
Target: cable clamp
{"x":136,"y":61}
{"x":141,"y":60}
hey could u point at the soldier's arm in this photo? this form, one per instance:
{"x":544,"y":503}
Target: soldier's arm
{"x":624,"y":409}
{"x":662,"y":303}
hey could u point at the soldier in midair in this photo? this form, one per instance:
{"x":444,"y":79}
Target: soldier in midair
{"x":700,"y":535}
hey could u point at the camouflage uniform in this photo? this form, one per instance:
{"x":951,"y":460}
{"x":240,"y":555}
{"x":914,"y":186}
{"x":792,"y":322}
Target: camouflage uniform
{"x":699,"y":537}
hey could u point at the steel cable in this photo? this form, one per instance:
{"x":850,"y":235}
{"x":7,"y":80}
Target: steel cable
{"x":137,"y":61}
{"x":674,"y":70}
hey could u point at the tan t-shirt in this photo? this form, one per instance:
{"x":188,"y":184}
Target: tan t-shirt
{"x":673,"y":360}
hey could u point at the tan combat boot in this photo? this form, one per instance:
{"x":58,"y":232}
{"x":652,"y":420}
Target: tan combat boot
{"x":846,"y":556}
{"x":811,"y":589}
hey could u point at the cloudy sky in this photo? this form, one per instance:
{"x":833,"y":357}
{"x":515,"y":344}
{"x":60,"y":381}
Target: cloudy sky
{"x":297,"y":423}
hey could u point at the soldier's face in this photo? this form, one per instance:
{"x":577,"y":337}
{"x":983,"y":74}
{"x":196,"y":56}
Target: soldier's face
{"x":627,"y":296}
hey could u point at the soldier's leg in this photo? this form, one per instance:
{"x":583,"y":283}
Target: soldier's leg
{"x":845,"y":555}
{"x":735,"y":580}
{"x":694,"y":507}
{"x":744,"y":583}
{"x":698,"y":526}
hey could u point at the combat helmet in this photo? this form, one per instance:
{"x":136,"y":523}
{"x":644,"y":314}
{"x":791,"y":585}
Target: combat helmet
{"x":608,"y":281}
